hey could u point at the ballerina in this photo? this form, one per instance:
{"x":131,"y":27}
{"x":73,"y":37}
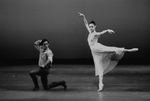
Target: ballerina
{"x":105,"y":58}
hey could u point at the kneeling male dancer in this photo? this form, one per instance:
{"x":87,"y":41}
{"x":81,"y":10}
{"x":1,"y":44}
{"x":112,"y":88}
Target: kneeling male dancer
{"x":45,"y":63}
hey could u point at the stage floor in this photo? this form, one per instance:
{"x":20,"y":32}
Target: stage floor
{"x":123,"y":83}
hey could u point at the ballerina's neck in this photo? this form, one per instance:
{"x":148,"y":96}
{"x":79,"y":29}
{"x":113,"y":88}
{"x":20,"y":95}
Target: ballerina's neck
{"x":94,"y":32}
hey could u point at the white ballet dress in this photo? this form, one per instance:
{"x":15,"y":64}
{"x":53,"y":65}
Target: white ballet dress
{"x":105,"y":58}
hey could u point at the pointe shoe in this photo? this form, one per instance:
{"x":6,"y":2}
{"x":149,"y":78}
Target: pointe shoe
{"x":131,"y":50}
{"x":135,"y":49}
{"x":100,"y":87}
{"x":99,"y":90}
{"x":35,"y":88}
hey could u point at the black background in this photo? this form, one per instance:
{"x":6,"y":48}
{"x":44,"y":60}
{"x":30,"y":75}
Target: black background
{"x":22,"y":22}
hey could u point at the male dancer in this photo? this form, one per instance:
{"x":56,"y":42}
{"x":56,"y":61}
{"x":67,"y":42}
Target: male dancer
{"x":45,"y":63}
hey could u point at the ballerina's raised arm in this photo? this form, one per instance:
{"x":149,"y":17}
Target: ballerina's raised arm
{"x":85,"y":21}
{"x":87,"y":25}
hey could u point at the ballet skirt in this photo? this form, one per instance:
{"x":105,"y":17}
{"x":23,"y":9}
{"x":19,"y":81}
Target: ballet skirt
{"x":105,"y":57}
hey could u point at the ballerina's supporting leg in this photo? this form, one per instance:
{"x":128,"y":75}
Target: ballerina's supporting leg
{"x":100,"y":83}
{"x":100,"y":71}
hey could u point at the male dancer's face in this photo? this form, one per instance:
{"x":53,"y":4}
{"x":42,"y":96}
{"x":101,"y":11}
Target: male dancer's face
{"x":45,"y":45}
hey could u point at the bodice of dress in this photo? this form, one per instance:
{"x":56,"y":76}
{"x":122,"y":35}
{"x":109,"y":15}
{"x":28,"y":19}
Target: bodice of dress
{"x":92,"y":39}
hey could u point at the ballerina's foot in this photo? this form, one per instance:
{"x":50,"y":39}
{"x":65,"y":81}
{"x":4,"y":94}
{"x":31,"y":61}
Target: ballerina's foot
{"x":131,"y":50}
{"x":100,"y":88}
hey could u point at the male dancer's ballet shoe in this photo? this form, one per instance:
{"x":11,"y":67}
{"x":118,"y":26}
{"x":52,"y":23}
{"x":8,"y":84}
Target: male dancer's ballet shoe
{"x":55,"y":84}
{"x":35,"y":88}
{"x":64,"y":85}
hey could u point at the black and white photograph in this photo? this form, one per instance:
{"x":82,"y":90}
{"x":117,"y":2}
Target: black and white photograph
{"x":74,"y":50}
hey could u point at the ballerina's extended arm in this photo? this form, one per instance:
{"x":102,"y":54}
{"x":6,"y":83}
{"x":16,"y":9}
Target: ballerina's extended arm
{"x":108,"y":30}
{"x":85,"y":21}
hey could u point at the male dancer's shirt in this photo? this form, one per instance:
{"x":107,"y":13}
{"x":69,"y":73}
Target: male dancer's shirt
{"x":44,"y":56}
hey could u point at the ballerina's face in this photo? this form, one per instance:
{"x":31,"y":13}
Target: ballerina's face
{"x":92,"y":27}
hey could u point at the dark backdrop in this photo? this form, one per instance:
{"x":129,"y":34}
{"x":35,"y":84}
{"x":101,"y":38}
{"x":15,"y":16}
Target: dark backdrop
{"x":22,"y":22}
